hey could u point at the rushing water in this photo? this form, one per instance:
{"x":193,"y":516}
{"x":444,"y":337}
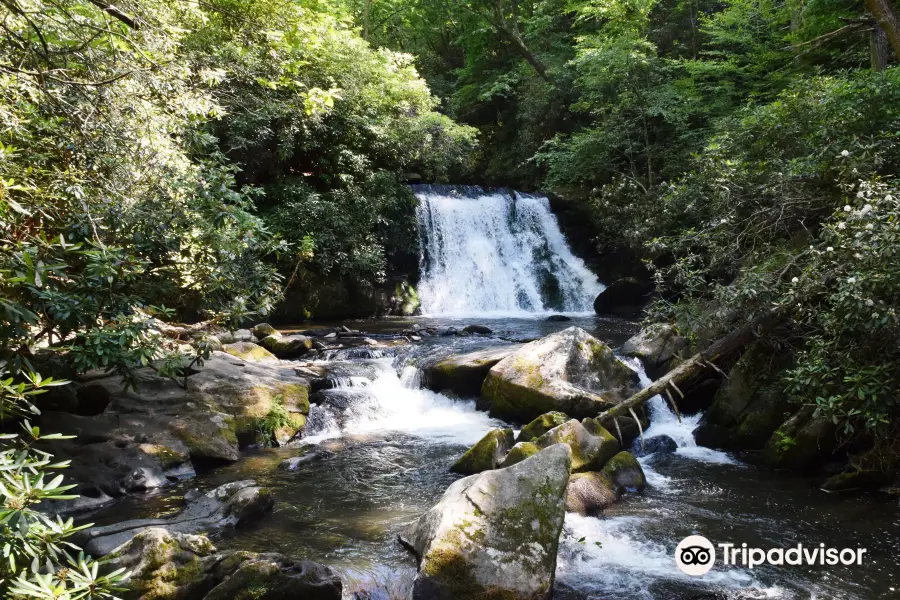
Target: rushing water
{"x":496,"y":252}
{"x":386,"y":446}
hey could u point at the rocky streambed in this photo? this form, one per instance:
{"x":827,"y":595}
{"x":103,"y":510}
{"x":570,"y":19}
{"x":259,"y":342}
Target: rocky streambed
{"x":375,"y":457}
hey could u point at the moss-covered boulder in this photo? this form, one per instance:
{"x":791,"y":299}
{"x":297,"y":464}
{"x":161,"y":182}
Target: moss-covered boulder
{"x":590,"y":449}
{"x":518,"y":453}
{"x":465,"y":373}
{"x":658,"y":347}
{"x":570,"y":372}
{"x":625,"y":472}
{"x":495,"y":534}
{"x":801,"y":443}
{"x":264,"y":330}
{"x":750,"y":405}
{"x":857,"y":481}
{"x":177,"y":566}
{"x":248,"y":351}
{"x":541,"y":425}
{"x":405,"y":301}
{"x":590,"y":493}
{"x":159,"y":430}
{"x":287,"y":346}
{"x":486,"y":454}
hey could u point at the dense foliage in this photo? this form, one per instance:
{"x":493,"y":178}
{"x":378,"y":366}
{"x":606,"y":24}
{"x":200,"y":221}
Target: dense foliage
{"x":746,"y":150}
{"x":181,"y":160}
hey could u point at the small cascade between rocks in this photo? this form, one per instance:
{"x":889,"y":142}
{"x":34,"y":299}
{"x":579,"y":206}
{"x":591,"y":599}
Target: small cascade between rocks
{"x":495,"y":252}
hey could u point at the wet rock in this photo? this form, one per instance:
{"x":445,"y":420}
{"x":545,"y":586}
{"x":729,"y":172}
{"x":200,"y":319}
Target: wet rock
{"x":590,"y":449}
{"x":478,"y":329}
{"x":857,"y":481}
{"x":296,"y":462}
{"x":661,"y":444}
{"x":230,"y":505}
{"x":750,"y":405}
{"x":590,"y":493}
{"x":464,"y":374}
{"x":802,"y":442}
{"x":518,"y":453}
{"x":159,"y":432}
{"x":658,"y":347}
{"x":570,"y":372}
{"x":243,"y":335}
{"x":541,"y":425}
{"x":249,"y":351}
{"x":558,"y":318}
{"x":486,"y":454}
{"x":625,"y":472}
{"x":287,"y":346}
{"x":168,"y":565}
{"x":264,"y":330}
{"x":625,"y":297}
{"x":495,"y":534}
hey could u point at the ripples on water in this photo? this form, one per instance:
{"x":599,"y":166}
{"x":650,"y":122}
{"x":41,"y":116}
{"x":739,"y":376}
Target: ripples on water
{"x":388,"y":445}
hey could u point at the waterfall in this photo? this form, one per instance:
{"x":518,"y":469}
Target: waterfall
{"x":492,"y":252}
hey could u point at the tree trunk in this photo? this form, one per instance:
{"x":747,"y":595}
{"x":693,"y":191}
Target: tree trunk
{"x":722,"y":347}
{"x":888,"y":19}
{"x":525,"y":53}
{"x":879,"y":49}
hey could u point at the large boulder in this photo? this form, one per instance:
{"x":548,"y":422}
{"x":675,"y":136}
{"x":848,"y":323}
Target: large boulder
{"x":590,"y":493}
{"x":802,"y":443}
{"x":518,"y":453}
{"x":227,"y":506}
{"x":168,"y":565}
{"x":486,"y":454}
{"x":465,"y":373}
{"x":591,"y":449}
{"x":658,"y":347}
{"x":264,"y":330}
{"x":541,"y":425}
{"x":157,"y":431}
{"x":625,"y":472}
{"x":496,"y":534}
{"x":750,"y":405}
{"x":287,"y":346}
{"x":625,"y":297}
{"x":248,"y":351}
{"x":570,"y":372}
{"x":660,"y":444}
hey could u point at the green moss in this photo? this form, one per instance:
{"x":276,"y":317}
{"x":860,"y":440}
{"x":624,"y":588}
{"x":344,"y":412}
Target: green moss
{"x":167,"y":457}
{"x":509,"y":400}
{"x":248,"y":351}
{"x":521,"y":531}
{"x":541,"y":425}
{"x":520,"y":452}
{"x":486,"y":453}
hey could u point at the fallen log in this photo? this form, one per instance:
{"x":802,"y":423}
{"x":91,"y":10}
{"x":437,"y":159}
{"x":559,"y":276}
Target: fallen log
{"x":695,"y":365}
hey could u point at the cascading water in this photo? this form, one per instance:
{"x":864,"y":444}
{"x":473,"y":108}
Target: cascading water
{"x":496,"y":253}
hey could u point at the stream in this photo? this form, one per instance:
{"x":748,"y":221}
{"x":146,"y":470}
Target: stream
{"x":386,"y":444}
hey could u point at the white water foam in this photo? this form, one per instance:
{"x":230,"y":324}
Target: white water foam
{"x":663,"y":421}
{"x":613,"y":555}
{"x":396,"y":403}
{"x":496,"y":254}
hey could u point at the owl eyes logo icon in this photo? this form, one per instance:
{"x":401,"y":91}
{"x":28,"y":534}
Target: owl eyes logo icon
{"x":695,"y":555}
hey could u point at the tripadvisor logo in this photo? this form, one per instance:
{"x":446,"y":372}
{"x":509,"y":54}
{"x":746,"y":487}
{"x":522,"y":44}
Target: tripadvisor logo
{"x":695,"y":555}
